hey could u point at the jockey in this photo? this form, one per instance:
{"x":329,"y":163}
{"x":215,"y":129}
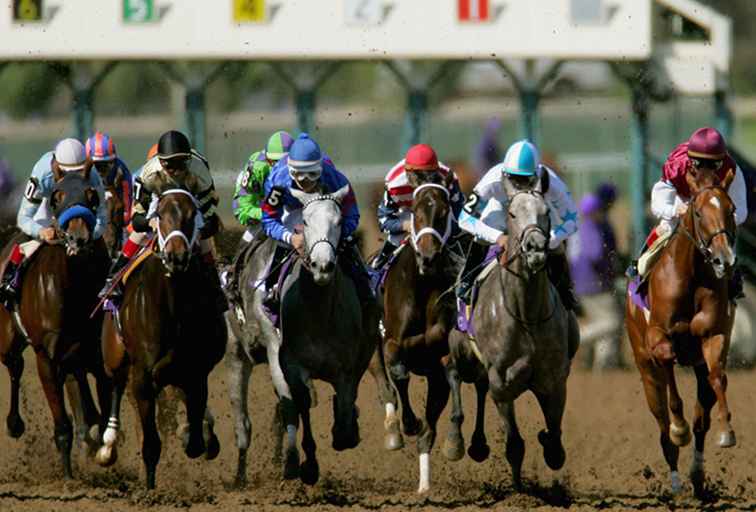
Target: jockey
{"x":248,"y":198}
{"x":706,"y":149}
{"x":69,"y":156}
{"x":484,"y":215}
{"x":176,"y":165}
{"x":101,"y":150}
{"x":307,"y":169}
{"x":419,"y":166}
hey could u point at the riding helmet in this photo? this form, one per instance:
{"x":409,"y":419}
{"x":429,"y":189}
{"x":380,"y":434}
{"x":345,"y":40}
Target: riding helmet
{"x":278,"y":145}
{"x":174,"y":144}
{"x":707,"y":143}
{"x":522,"y":159}
{"x":421,"y":157}
{"x":304,"y":155}
{"x":70,"y":155}
{"x":101,"y":148}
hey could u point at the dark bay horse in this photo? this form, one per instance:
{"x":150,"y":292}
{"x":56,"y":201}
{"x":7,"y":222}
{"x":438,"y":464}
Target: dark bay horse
{"x":418,"y":316}
{"x":525,"y":338}
{"x":58,"y":292}
{"x":166,"y":332}
{"x":689,"y":321}
{"x":115,"y":198}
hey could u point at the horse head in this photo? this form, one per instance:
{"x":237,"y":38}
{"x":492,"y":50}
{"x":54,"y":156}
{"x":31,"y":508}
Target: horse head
{"x":177,"y":228}
{"x":114,"y":200}
{"x":528,"y":222}
{"x":711,"y":218}
{"x":74,"y":203}
{"x":431,"y":223}
{"x":321,"y":215}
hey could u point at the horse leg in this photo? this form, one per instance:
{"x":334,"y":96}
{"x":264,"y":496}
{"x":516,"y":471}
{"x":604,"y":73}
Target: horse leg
{"x":212,"y":444}
{"x":454,"y":445}
{"x":144,"y":394}
{"x":655,"y":387}
{"x":701,"y":424}
{"x":479,"y":450}
{"x":239,"y":371}
{"x":108,"y":453}
{"x":309,"y":471}
{"x":14,"y":362}
{"x":438,"y":396}
{"x":196,"y":404}
{"x":715,"y":353}
{"x":515,"y":450}
{"x":290,"y":417}
{"x":400,"y":377}
{"x":278,"y":431}
{"x":393,"y":438}
{"x":85,"y":413}
{"x":552,"y":406}
{"x":52,"y":384}
{"x":345,"y":430}
{"x":679,"y":430}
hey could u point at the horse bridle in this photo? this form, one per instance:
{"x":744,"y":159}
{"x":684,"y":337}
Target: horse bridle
{"x":177,"y":233}
{"x":528,"y":228}
{"x":704,"y":247}
{"x":430,"y":230}
{"x":324,"y":240}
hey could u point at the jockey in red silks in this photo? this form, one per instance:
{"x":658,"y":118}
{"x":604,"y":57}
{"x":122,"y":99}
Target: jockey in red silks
{"x":706,"y":149}
{"x":101,"y":150}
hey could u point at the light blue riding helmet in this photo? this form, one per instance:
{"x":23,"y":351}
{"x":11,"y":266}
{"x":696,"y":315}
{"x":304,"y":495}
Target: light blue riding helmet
{"x":522,"y":159}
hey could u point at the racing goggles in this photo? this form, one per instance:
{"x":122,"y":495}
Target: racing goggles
{"x":522,"y":182}
{"x":307,"y":172}
{"x":706,"y":163}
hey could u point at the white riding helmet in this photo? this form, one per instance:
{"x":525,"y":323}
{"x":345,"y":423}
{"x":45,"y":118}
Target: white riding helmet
{"x":70,"y":155}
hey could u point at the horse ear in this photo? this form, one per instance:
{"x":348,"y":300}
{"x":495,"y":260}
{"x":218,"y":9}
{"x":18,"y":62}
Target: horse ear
{"x":544,"y":182}
{"x":87,"y":169}
{"x":341,"y":193}
{"x":55,"y":199}
{"x":691,"y":177}
{"x":728,"y":179}
{"x":93,"y":198}
{"x":412,"y":179}
{"x":57,"y":171}
{"x":509,"y":190}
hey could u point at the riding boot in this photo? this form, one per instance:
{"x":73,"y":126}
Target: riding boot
{"x":476,"y":254}
{"x":213,"y":280}
{"x":271,"y":281}
{"x":559,"y":273}
{"x":8,"y":286}
{"x":383,"y":257}
{"x":117,"y":290}
{"x":736,"y":285}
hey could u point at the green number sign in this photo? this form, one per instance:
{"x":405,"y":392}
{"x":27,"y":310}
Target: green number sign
{"x":27,"y":10}
{"x":139,"y":11}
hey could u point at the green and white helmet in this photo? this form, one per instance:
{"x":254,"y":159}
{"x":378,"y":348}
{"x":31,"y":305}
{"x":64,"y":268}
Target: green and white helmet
{"x":278,"y":146}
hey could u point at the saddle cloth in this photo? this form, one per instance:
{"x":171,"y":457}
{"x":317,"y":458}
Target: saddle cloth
{"x":651,"y":255}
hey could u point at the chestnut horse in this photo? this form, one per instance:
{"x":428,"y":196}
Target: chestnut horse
{"x":689,"y":320}
{"x":418,"y":315}
{"x":58,"y":292}
{"x":168,"y":332}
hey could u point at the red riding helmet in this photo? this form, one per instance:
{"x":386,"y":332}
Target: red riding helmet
{"x":707,"y":143}
{"x":421,"y":157}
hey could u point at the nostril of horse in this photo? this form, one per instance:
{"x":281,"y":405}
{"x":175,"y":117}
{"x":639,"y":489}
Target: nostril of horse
{"x":328,"y":267}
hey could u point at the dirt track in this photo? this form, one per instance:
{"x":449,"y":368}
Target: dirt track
{"x":611,"y":440}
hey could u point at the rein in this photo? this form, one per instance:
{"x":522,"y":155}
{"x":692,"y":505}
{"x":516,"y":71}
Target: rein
{"x":430,"y":230}
{"x":177,"y":233}
{"x":704,"y":248}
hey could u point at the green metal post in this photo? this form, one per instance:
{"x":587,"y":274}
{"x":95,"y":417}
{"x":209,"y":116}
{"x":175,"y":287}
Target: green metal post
{"x":529,"y":99}
{"x":195,"y":117}
{"x":83,"y":105}
{"x":415,"y":119}
{"x":305,"y":103}
{"x":723,"y":114}
{"x":639,"y":180}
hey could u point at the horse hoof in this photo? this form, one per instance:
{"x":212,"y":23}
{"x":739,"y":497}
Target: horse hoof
{"x":213,"y":447}
{"x":553,"y":451}
{"x":479,"y":452}
{"x":291,"y":465}
{"x":680,"y":436}
{"x":309,"y":472}
{"x":195,"y":449}
{"x":727,"y":439}
{"x":698,"y":479}
{"x":393,"y":441}
{"x":16,"y":426}
{"x":106,"y":456}
{"x":454,"y":448}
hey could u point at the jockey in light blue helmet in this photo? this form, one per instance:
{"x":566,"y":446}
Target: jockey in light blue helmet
{"x":521,"y":164}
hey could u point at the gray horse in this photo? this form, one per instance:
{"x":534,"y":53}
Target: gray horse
{"x":525,"y":339}
{"x":293,"y":365}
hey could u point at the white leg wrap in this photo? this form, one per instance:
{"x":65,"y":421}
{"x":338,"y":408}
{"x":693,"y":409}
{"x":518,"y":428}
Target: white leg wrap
{"x":424,"y":473}
{"x":111,"y":433}
{"x":390,"y":410}
{"x":676,"y":482}
{"x":291,"y":433}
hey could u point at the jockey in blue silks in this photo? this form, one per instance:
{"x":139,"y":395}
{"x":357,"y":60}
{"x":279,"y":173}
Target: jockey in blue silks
{"x":306,"y":168}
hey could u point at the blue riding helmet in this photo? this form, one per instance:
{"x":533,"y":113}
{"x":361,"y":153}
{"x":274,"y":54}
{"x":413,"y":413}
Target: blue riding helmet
{"x":305,"y":158}
{"x":522,"y":159}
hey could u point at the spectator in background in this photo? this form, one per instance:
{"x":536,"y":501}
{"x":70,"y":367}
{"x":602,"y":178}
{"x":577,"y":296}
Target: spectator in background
{"x":593,"y":265}
{"x":9,"y":200}
{"x":487,"y":153}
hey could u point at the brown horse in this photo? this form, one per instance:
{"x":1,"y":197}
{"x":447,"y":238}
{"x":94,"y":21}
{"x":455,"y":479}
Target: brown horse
{"x":690,"y":321}
{"x":57,"y":294}
{"x":418,"y":316}
{"x":116,"y":202}
{"x":168,"y":332}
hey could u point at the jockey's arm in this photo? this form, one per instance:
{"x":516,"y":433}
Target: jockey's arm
{"x":457,"y":201}
{"x":34,"y":194}
{"x":563,"y":209}
{"x":102,"y":207}
{"x":664,"y":200}
{"x":248,"y":196}
{"x":739,"y":194}
{"x":350,"y":214}
{"x":483,"y":203}
{"x":273,"y":208}
{"x":388,"y":215}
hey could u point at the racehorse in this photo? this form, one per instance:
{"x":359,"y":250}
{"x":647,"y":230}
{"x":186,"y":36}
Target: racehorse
{"x":58,"y":292}
{"x":689,"y":318}
{"x":524,"y":339}
{"x":166,"y":332}
{"x":115,"y":198}
{"x":418,"y":315}
{"x":257,"y":341}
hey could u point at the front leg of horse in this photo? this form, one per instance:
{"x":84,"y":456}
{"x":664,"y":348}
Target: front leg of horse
{"x":679,"y":430}
{"x":14,"y":362}
{"x":479,"y":449}
{"x":239,"y":370}
{"x":515,"y":450}
{"x":393,"y":439}
{"x":400,"y":376}
{"x":196,"y":404}
{"x":85,"y":414}
{"x":52,"y":384}
{"x":552,"y":406}
{"x":715,"y":354}
{"x":144,"y":394}
{"x":290,"y":417}
{"x":454,"y":445}
{"x":345,"y":430}
{"x":701,"y":425}
{"x":108,"y":452}
{"x":438,"y":396}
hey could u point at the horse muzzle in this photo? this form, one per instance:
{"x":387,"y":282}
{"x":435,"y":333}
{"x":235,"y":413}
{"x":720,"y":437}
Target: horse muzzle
{"x":176,"y":262}
{"x":535,"y":260}
{"x":322,"y":272}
